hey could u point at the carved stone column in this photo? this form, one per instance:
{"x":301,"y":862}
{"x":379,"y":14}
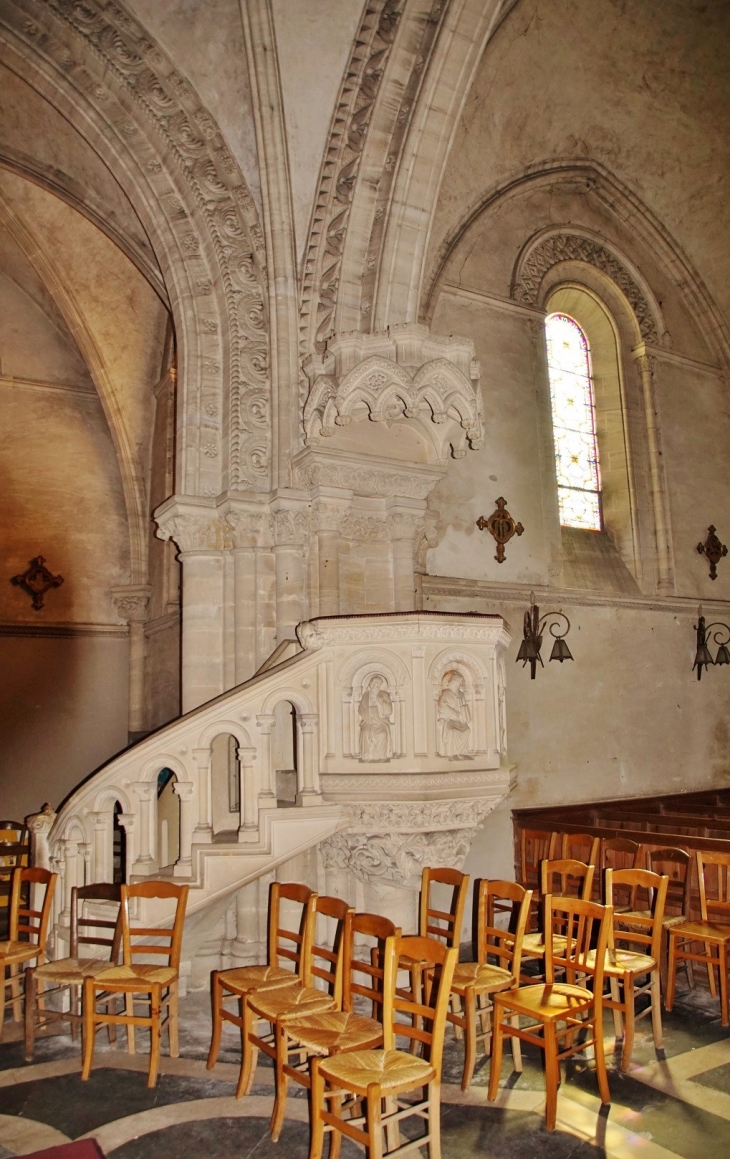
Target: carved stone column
{"x":204,"y":828}
{"x":132,"y":604}
{"x":102,"y":862}
{"x":267,"y":795}
{"x":403,"y":527}
{"x":39,"y":826}
{"x":291,"y":528}
{"x":330,"y":508}
{"x":308,"y":793}
{"x":252,"y":535}
{"x":248,"y":793}
{"x":665,"y":571}
{"x":71,"y":875}
{"x":184,"y":865}
{"x":146,"y":792}
{"x":203,"y":537}
{"x":128,"y":822}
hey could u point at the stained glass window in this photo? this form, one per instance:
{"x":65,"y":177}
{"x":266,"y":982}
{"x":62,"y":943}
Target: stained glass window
{"x":574,"y":423}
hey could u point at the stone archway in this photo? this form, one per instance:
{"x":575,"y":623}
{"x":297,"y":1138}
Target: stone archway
{"x":98,"y":65}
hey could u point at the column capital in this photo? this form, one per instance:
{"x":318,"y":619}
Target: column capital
{"x":131,"y":601}
{"x":184,"y":790}
{"x":127,"y":820}
{"x":144,"y":789}
{"x":266,"y":722}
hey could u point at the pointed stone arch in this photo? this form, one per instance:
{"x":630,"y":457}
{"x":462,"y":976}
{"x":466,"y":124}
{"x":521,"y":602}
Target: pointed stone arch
{"x":98,"y":65}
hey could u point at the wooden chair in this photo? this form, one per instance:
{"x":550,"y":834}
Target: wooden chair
{"x":564,"y":878}
{"x":580,"y":847}
{"x":283,"y":961}
{"x":319,"y":961}
{"x":475,"y":982}
{"x":14,"y":852}
{"x":713,"y":933}
{"x":28,"y":930}
{"x":152,"y":985}
{"x":536,"y":845}
{"x":676,"y":864}
{"x":558,"y":1010}
{"x":336,"y":1031}
{"x":375,"y":1076}
{"x":616,"y":853}
{"x":445,"y":925}
{"x":67,"y":974}
{"x":624,"y":964}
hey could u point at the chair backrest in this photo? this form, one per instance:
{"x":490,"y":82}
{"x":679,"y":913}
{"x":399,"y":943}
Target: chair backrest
{"x":676,"y":864}
{"x":100,"y":891}
{"x":638,"y":930}
{"x":28,"y":924}
{"x":567,"y":878}
{"x":168,"y":941}
{"x":536,"y":845}
{"x":425,"y":1021}
{"x":364,"y":971}
{"x":502,"y":942}
{"x":285,"y":944}
{"x":320,"y":960}
{"x":438,"y":923}
{"x":580,"y":847}
{"x":619,"y":853}
{"x":713,"y":876}
{"x":584,"y":926}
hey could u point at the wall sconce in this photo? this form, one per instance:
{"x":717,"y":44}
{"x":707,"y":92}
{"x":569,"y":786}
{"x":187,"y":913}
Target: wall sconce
{"x":533,"y":629}
{"x":703,"y":655}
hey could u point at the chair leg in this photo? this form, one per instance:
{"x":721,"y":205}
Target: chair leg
{"x":15,"y":991}
{"x":216,"y":1002}
{"x":516,"y":1045}
{"x":434,"y":1120}
{"x":600,"y":1053}
{"x":88,"y":1037}
{"x":470,"y":1012}
{"x":155,"y":1036}
{"x":552,"y":1076}
{"x":496,"y":1064}
{"x":173,"y":1019}
{"x":656,"y":1008}
{"x":671,"y":972}
{"x":710,"y":971}
{"x":316,"y":1106}
{"x":129,"y":1011}
{"x":616,"y":997}
{"x":31,"y":1012}
{"x":249,"y":1052}
{"x":281,"y":1042}
{"x":630,"y":1015}
{"x":374,"y":1122}
{"x":725,"y":1015}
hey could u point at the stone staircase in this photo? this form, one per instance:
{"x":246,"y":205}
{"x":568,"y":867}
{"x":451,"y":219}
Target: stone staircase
{"x":399,"y":754}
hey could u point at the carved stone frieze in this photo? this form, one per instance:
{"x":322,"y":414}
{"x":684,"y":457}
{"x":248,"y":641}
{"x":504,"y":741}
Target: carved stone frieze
{"x":564,"y":247}
{"x":364,"y":527}
{"x":402,"y":816}
{"x":394,"y":858}
{"x":291,"y":528}
{"x":316,"y":470}
{"x":197,"y":532}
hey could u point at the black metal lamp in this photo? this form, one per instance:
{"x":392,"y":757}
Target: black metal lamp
{"x":703,"y":655}
{"x":533,"y":627}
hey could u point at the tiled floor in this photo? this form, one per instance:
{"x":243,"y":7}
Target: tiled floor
{"x":679,"y":1106}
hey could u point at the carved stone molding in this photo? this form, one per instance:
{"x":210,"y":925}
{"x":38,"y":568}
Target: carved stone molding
{"x":381,"y":479}
{"x":364,"y":527}
{"x":402,"y":816}
{"x":146,"y":112}
{"x":546,"y":252}
{"x":196,"y":533}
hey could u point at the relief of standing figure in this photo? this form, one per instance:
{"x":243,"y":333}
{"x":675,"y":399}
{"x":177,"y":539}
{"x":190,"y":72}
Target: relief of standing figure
{"x":376,"y":709}
{"x":454,"y":719}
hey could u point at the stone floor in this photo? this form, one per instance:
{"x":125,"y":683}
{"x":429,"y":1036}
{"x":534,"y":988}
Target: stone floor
{"x":679,"y":1106}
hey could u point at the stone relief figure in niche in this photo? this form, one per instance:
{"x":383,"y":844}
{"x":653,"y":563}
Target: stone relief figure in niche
{"x":376,"y":718}
{"x":454,"y":719}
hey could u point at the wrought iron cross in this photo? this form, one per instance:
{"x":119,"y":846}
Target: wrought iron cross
{"x":713,"y":550}
{"x":501,"y":526}
{"x":37,"y":580}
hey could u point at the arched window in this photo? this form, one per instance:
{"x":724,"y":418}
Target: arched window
{"x":574,"y":423}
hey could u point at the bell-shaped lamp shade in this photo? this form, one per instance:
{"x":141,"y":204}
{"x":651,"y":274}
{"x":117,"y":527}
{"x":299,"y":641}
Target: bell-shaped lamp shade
{"x":560,"y":651}
{"x":527,"y":650}
{"x":703,"y":656}
{"x":723,"y":655}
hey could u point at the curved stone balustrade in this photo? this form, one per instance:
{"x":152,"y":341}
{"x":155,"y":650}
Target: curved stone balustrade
{"x":400,"y":753}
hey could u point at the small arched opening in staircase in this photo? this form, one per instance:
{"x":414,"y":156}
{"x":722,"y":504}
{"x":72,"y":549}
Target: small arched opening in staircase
{"x":225,"y":782}
{"x":119,"y":846}
{"x":168,"y":819}
{"x":285,"y":753}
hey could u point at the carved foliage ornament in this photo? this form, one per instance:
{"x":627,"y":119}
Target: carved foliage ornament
{"x":37,"y":580}
{"x":565,"y":247}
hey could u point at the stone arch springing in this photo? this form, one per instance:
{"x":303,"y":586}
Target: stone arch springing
{"x":102,"y":70}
